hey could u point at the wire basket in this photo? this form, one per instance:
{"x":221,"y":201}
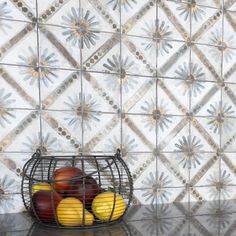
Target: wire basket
{"x":80,"y":191}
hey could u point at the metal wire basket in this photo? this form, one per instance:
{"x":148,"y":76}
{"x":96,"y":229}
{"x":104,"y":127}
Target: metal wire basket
{"x":80,"y":191}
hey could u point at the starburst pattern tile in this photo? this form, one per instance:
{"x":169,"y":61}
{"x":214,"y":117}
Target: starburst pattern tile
{"x":154,"y":78}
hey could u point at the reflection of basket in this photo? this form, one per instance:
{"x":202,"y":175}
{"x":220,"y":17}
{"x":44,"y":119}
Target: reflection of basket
{"x":80,"y":191}
{"x":119,"y":229}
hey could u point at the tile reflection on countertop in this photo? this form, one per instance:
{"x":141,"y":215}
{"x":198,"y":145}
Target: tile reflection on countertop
{"x":215,"y":218}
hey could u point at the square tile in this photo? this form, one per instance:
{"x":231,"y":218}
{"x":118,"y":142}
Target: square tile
{"x":20,"y":125}
{"x":139,"y":95}
{"x":136,"y":15}
{"x":61,"y":131}
{"x":100,"y":18}
{"x":56,"y":49}
{"x":179,"y":15}
{"x":139,"y":56}
{"x":201,"y":17}
{"x":135,"y":135}
{"x":102,"y":92}
{"x":19,"y":44}
{"x":178,"y":103}
{"x":24,"y":135}
{"x":103,"y":53}
{"x":142,"y":130}
{"x":208,"y":102}
{"x":16,"y":90}
{"x":98,"y":129}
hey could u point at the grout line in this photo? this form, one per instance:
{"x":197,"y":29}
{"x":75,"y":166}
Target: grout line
{"x":120,"y":78}
{"x":39,"y":77}
{"x":157,"y":101}
{"x":81,"y":80}
{"x":189,"y":109}
{"x":109,"y":73}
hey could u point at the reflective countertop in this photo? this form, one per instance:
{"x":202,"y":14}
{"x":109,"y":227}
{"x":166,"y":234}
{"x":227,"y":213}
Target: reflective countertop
{"x":216,"y":218}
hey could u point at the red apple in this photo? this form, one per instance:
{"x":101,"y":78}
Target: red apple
{"x":45,"y":203}
{"x":63,"y":176}
{"x":87,"y":192}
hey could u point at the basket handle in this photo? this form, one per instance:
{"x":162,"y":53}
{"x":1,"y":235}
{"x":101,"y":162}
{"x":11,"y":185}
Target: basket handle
{"x":37,"y":153}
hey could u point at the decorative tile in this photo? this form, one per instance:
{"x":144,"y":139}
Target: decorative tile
{"x":207,"y":104}
{"x":19,"y":138}
{"x":211,"y":56}
{"x":136,"y":15}
{"x":99,"y":17}
{"x":103,"y":53}
{"x":202,"y":18}
{"x":137,"y":135}
{"x":13,"y":49}
{"x":17,"y":83}
{"x":139,"y":95}
{"x":211,"y":35}
{"x":173,"y":62}
{"x":176,"y":139}
{"x":139,"y":55}
{"x":56,"y":50}
{"x":179,"y":15}
{"x":167,"y":26}
{"x":175,"y":104}
{"x":200,"y":69}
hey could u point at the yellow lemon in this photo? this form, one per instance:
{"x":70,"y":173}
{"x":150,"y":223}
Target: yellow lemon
{"x":68,"y":216}
{"x":73,"y":206}
{"x":41,"y":186}
{"x":108,"y":204}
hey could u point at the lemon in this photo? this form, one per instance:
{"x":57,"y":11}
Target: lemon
{"x":103,"y":204}
{"x":68,"y":216}
{"x":70,"y":213}
{"x":41,"y":186}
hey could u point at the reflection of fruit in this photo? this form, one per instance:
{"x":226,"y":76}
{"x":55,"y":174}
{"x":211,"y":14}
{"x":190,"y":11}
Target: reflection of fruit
{"x":70,"y":213}
{"x":66,"y":174}
{"x":104,"y":203}
{"x":45,"y":203}
{"x":90,"y":190}
{"x":40,"y":186}
{"x":119,"y":229}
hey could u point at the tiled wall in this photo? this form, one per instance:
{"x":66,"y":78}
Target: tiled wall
{"x":156,"y":77}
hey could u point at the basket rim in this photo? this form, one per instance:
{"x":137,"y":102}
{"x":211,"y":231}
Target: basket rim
{"x":76,"y":157}
{"x":79,"y":156}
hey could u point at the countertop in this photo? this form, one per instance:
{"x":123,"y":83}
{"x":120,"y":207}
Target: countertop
{"x":216,"y":218}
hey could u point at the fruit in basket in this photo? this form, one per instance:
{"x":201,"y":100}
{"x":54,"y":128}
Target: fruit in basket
{"x":45,"y":203}
{"x":70,"y":213}
{"x":87,"y":192}
{"x":40,"y":186}
{"x":103,"y":204}
{"x":63,"y":177}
